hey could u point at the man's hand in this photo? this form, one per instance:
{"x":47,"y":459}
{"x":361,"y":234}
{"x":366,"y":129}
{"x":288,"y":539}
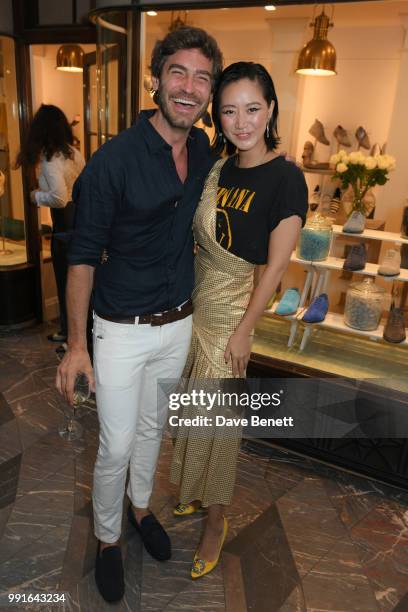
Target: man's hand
{"x":76,"y":360}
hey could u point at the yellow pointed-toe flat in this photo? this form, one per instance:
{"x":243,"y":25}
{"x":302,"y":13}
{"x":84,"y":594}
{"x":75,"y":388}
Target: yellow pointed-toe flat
{"x":201,"y":567}
{"x":186,"y":509}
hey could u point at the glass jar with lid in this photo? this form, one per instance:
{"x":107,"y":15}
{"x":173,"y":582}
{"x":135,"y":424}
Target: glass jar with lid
{"x":364,"y":305}
{"x":315,"y":238}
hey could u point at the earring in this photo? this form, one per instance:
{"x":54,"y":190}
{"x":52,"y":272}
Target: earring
{"x":267,"y":130}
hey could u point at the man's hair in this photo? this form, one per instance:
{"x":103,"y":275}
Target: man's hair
{"x":186,"y":37}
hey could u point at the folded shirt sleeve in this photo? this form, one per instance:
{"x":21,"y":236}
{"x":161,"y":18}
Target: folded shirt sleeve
{"x":97,"y":194}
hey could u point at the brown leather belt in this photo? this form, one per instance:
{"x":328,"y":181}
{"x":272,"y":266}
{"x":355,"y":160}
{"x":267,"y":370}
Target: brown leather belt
{"x":160,"y":318}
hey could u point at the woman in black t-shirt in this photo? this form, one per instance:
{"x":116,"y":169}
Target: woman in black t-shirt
{"x":251,"y":212}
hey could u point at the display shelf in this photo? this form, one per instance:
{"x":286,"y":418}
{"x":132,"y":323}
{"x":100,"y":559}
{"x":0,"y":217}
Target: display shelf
{"x":17,"y":256}
{"x":371,"y":234}
{"x":322,"y":270}
{"x":304,"y":262}
{"x":335,"y":321}
{"x":272,"y":312}
{"x":370,"y":269}
{"x":325,"y":171}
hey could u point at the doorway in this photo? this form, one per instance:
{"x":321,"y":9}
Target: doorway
{"x":66,"y":91}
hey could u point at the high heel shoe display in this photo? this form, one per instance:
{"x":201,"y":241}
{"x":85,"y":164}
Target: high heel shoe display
{"x":394,"y":330}
{"x":317,"y":131}
{"x":362,"y":138}
{"x":307,"y":157}
{"x":335,"y":202}
{"x":315,"y":198}
{"x":375,"y":150}
{"x":341,"y":136}
{"x":201,"y":567}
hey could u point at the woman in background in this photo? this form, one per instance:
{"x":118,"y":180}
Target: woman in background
{"x":251,"y":212}
{"x":49,"y":150}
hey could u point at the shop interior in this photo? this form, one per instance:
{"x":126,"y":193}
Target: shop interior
{"x":369,"y":91}
{"x":317,"y":523}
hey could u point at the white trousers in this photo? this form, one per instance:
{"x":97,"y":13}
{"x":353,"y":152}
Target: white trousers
{"x":128,"y":361}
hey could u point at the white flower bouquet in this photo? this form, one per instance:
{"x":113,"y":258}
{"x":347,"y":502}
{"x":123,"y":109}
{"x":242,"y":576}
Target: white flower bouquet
{"x":361,"y":172}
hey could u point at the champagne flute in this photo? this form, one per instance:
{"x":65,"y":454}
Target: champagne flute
{"x":71,"y":429}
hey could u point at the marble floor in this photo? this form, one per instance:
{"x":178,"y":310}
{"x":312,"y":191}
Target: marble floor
{"x":303,"y":536}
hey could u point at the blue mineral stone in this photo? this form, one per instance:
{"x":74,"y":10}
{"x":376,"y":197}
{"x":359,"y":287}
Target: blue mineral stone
{"x":314,"y":245}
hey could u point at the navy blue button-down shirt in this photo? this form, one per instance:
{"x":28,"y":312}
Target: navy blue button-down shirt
{"x":130,"y":202}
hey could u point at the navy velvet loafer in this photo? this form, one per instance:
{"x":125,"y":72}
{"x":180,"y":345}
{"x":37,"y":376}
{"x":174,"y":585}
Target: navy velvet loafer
{"x":109,"y":573}
{"x":155,"y":539}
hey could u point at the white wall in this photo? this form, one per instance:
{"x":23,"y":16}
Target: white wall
{"x":394,"y":194}
{"x":362,"y":93}
{"x":51,"y":86}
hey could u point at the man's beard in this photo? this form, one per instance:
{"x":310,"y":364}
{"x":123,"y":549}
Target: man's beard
{"x":174,"y":120}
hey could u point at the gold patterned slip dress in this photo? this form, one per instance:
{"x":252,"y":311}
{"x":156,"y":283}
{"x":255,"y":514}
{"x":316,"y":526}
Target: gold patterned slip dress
{"x":204,"y":460}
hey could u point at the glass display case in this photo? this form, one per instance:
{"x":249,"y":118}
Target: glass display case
{"x":13,"y":249}
{"x":20,"y":293}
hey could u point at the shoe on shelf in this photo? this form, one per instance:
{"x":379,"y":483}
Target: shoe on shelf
{"x":289,"y":303}
{"x":394,"y":330}
{"x":109,"y":573}
{"x":315,"y":198}
{"x":375,"y":150}
{"x":154,"y":538}
{"x":341,"y":136}
{"x":307,"y":155}
{"x":57,"y":337}
{"x":391,"y":263}
{"x":317,"y":311}
{"x":355,"y":223}
{"x":186,"y":509}
{"x":201,"y":567}
{"x":362,"y":138}
{"x":404,"y":256}
{"x":335,"y":202}
{"x":317,"y":131}
{"x":356,"y":259}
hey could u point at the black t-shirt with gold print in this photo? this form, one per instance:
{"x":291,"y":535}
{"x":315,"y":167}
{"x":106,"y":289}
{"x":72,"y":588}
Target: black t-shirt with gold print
{"x":251,"y":202}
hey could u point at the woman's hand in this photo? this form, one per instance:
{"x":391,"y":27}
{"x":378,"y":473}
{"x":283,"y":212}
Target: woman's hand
{"x":238,"y":351}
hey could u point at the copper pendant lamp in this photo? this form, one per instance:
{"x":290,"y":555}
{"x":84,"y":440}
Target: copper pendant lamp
{"x":318,"y":56}
{"x":70,"y":58}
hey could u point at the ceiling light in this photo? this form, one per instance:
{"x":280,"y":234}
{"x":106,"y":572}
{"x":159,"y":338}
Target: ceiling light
{"x":70,"y":58}
{"x":318,"y":56}
{"x":270,"y":7}
{"x":152,"y":13}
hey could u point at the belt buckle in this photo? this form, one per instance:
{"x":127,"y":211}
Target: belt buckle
{"x":156,"y":319}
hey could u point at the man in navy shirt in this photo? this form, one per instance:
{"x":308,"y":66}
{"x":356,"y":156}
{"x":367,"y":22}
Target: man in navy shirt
{"x":133,"y":246}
